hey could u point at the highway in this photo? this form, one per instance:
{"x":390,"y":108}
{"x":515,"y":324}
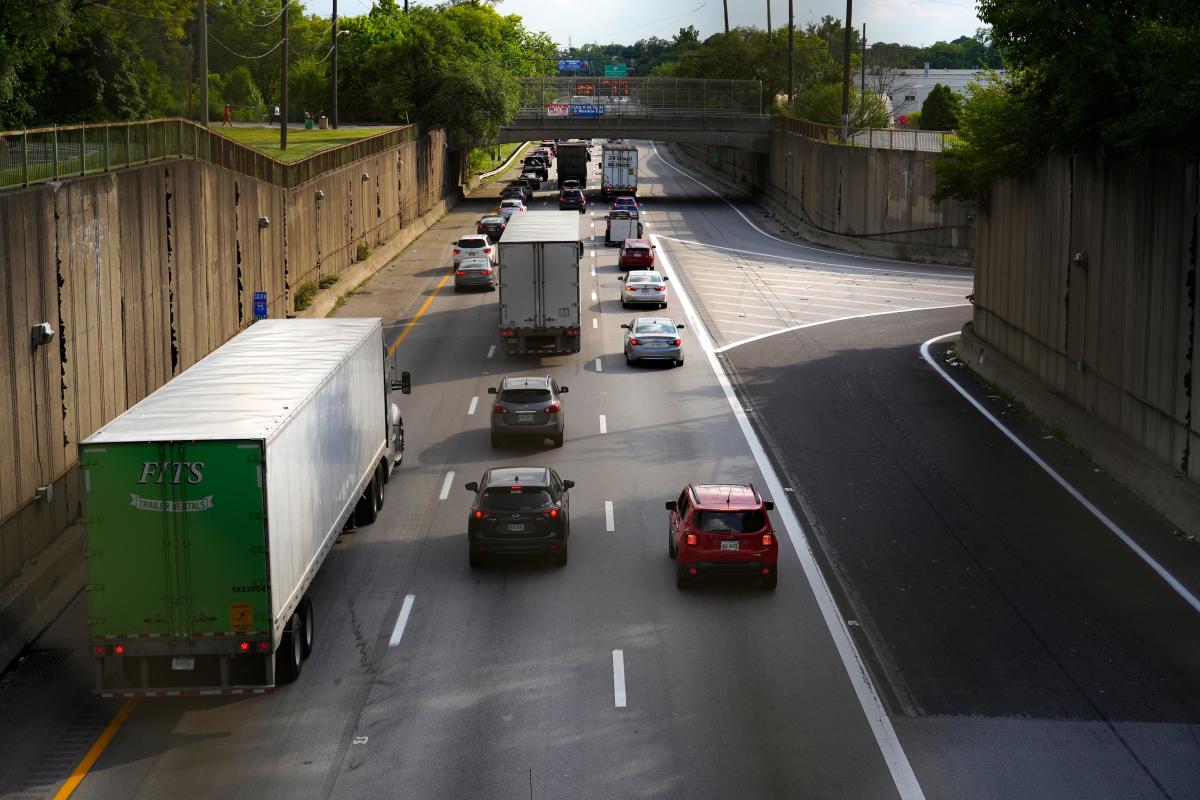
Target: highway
{"x":936,"y":631}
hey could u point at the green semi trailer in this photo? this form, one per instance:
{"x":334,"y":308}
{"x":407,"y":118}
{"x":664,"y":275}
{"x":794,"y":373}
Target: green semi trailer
{"x":210,"y":506}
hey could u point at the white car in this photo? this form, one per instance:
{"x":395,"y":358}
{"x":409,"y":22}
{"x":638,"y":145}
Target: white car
{"x":510,"y":206}
{"x":643,"y":287}
{"x":473,"y":245}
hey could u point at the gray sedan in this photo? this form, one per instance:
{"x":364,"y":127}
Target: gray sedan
{"x":475,"y":273}
{"x":653,"y":339}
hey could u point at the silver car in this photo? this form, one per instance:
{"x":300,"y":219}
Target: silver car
{"x":653,"y":339}
{"x":643,"y":287}
{"x":475,"y":273}
{"x":528,"y":407}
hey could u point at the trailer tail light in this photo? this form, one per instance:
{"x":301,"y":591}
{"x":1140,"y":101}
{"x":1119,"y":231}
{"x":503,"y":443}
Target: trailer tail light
{"x":508,"y":333}
{"x":99,"y":650}
{"x":572,"y":331}
{"x":767,"y":540}
{"x":554,"y":408}
{"x":244,"y":647}
{"x":118,"y":650}
{"x":692,"y":539}
{"x":264,"y":647}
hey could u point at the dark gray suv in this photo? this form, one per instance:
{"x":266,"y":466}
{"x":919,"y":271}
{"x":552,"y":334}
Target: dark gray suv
{"x":529,"y":408}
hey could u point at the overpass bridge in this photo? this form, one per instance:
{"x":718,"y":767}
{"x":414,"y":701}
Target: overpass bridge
{"x":694,"y":110}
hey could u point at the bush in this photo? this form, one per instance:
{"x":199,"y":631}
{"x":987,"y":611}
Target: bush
{"x":940,"y":110}
{"x":304,"y":295}
{"x":327,"y":281}
{"x":363,"y":252}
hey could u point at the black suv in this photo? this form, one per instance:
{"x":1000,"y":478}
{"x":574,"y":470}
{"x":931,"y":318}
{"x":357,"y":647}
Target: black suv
{"x":519,"y":511}
{"x":572,"y":198}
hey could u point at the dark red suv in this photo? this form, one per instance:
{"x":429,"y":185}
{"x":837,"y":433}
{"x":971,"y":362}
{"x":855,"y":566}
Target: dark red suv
{"x":636,"y":254}
{"x":722,"y":529}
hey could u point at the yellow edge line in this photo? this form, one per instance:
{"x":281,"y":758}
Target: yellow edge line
{"x":404,"y":333}
{"x":94,"y":752}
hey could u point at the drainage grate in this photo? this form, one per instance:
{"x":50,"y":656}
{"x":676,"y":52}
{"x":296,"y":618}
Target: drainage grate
{"x":40,"y":659}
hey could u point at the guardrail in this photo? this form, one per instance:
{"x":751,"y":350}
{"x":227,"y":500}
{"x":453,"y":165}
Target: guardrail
{"x":882,"y":138}
{"x":594,"y":97}
{"x":49,"y":154}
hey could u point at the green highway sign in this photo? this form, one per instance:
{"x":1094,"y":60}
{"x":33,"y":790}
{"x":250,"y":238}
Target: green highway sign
{"x":614,"y":71}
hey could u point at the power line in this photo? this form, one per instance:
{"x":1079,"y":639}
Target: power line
{"x":243,"y":55}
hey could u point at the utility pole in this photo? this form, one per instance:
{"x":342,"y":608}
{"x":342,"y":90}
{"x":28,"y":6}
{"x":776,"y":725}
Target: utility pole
{"x":863,"y":88}
{"x":768,"y":18}
{"x":203,"y":63}
{"x":791,"y":52}
{"x":283,"y":109}
{"x":846,"y":77}
{"x":335,"y":38}
{"x":725,"y":4}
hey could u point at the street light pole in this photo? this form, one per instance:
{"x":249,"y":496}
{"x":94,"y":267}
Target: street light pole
{"x":845,"y":134}
{"x":791,"y":52}
{"x":725,"y":4}
{"x":768,"y":17}
{"x":283,"y":116}
{"x":335,"y":43}
{"x":203,"y":20}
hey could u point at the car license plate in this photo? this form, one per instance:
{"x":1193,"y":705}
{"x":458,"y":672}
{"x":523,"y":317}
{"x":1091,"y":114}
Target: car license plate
{"x":516,"y":528}
{"x":660,"y":344}
{"x":729,"y":545}
{"x":524,"y":417}
{"x":182,"y":664}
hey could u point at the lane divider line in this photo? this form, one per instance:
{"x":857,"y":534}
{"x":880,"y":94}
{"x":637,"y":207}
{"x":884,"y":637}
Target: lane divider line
{"x":1104,"y":519}
{"x":473,"y":406}
{"x":491,"y":351}
{"x":446,"y":485}
{"x":599,"y":366}
{"x":619,"y":678}
{"x":420,"y":312}
{"x":610,"y":523}
{"x":402,"y":620}
{"x":595,"y":323}
{"x":603,"y":424}
{"x":876,"y":715}
{"x":760,"y":336}
{"x":96,"y":750}
{"x":594,"y":298}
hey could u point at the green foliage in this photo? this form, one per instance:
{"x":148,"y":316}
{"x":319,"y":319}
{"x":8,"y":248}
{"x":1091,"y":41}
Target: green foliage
{"x":327,"y":281}
{"x":823,"y":103}
{"x":242,"y":93}
{"x":305,"y":293}
{"x":965,"y":52}
{"x":940,"y":110}
{"x":362,"y":251}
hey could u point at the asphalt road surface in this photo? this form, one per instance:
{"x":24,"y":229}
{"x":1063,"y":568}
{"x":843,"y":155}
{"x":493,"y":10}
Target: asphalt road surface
{"x":1010,"y":646}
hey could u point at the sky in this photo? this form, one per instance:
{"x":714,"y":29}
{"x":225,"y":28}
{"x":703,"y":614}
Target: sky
{"x":916,"y":22}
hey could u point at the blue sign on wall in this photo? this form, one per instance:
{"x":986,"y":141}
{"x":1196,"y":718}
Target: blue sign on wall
{"x":587,"y":110}
{"x":260,"y":305}
{"x":566,"y":64}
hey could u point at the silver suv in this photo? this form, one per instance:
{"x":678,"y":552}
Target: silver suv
{"x":528,"y":407}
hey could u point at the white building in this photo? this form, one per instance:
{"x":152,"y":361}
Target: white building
{"x":907,"y":88}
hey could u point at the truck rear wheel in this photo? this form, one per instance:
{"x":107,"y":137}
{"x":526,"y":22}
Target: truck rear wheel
{"x":289,"y":658}
{"x":308,"y":624}
{"x":367,"y":509}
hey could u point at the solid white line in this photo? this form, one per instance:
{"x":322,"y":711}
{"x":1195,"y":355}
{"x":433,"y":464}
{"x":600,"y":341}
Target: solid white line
{"x":619,"y":678}
{"x":402,"y":620}
{"x":1170,"y":579}
{"x":760,"y":230}
{"x":473,"y":406}
{"x":836,"y":319}
{"x":593,"y":297}
{"x":610,"y":524}
{"x":885,"y":735}
{"x":491,"y":351}
{"x":593,"y":272}
{"x":603,"y":424}
{"x":595,"y":322}
{"x":599,"y":366}
{"x":446,"y":485}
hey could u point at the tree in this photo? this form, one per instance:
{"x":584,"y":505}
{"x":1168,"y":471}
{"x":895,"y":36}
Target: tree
{"x":940,"y":110}
{"x":823,"y":104}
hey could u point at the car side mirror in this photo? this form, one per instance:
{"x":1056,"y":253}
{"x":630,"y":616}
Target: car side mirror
{"x":568,"y":484}
{"x":769,"y":505}
{"x":626,"y":327}
{"x":563,"y":390}
{"x":404,"y":385}
{"x":653,"y":247}
{"x":491,"y":390}
{"x":472,"y":487}
{"x":620,"y":277}
{"x":671,"y":505}
{"x":665,"y":279}
{"x":681,"y":326}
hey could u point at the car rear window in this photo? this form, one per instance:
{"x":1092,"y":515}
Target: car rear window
{"x":526,"y":395}
{"x":654,"y":327}
{"x":645,"y":279}
{"x":515,"y":499}
{"x":472,"y":242}
{"x":730,"y":521}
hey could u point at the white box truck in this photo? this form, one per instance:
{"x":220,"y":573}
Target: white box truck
{"x":539,"y":283}
{"x":618,"y":170}
{"x":210,"y":506}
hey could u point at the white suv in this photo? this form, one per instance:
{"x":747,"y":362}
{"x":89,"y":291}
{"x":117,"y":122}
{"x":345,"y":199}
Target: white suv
{"x":474,"y":245}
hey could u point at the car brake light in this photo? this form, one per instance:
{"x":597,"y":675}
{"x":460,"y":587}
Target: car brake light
{"x":633,"y":341}
{"x":552,"y":513}
{"x":244,"y":647}
{"x":457,"y":251}
{"x":119,"y":650}
{"x":478,"y":514}
{"x":499,"y":409}
{"x":264,"y":646}
{"x":508,"y":333}
{"x":660,"y":288}
{"x":572,"y":331}
{"x":99,"y":650}
{"x":678,"y":342}
{"x":487,"y":249}
{"x":485,"y":272}
{"x":554,"y":408}
{"x":692,"y":538}
{"x":767,"y":539}
{"x":459,"y":272}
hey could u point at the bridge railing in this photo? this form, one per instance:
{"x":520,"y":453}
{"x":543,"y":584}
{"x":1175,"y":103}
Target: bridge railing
{"x":566,"y":97}
{"x":882,"y":138}
{"x":48,"y":154}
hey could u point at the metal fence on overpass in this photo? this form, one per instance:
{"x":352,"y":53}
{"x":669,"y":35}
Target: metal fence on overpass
{"x":594,"y":97}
